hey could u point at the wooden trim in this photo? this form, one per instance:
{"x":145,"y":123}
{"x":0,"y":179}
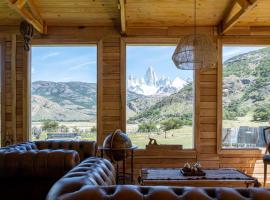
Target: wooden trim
{"x":62,"y":42}
{"x":123,"y":83}
{"x":2,"y":62}
{"x":27,"y":96}
{"x":231,"y":18}
{"x":151,"y":40}
{"x":99,"y":91}
{"x":19,"y":7}
{"x":196,"y":111}
{"x":123,"y":16}
{"x":219,"y":96}
{"x":13,"y":85}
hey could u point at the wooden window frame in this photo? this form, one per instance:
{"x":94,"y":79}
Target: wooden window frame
{"x":2,"y":85}
{"x":157,"y":41}
{"x":237,"y":40}
{"x":60,"y":42}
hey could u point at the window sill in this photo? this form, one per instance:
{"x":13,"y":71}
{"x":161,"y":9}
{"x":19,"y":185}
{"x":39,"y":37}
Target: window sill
{"x":185,"y":153}
{"x":253,"y":151}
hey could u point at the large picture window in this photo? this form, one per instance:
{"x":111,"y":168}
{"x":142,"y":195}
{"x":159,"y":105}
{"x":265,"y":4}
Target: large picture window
{"x":246,"y":95}
{"x":64,"y":92}
{"x":159,"y":97}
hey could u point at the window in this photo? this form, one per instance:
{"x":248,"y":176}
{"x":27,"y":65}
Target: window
{"x":246,"y":95}
{"x":64,"y":92}
{"x":159,"y":97}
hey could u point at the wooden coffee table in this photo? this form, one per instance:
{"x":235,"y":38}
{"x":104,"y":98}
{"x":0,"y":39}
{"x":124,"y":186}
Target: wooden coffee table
{"x":222,"y":177}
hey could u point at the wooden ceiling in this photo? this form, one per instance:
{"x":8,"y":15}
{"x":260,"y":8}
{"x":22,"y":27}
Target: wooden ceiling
{"x":137,"y":13}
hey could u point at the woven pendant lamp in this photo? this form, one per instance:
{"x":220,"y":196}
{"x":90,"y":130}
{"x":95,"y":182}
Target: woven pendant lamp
{"x":195,"y":51}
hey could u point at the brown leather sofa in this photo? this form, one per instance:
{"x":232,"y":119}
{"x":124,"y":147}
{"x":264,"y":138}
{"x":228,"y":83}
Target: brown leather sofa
{"x":28,"y":170}
{"x":94,"y":179}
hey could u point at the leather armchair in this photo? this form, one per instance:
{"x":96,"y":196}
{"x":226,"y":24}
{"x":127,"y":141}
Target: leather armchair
{"x":28,"y":170}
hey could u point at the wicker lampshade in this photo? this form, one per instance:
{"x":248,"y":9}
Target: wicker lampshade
{"x":195,"y":52}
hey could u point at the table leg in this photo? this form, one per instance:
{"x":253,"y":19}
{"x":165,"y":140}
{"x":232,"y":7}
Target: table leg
{"x":124,"y":168}
{"x":101,"y":153}
{"x":117,"y":173}
{"x":132,"y":159}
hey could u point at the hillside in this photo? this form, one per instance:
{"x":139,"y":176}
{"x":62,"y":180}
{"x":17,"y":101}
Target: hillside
{"x":246,"y":85}
{"x":63,"y":101}
{"x":246,"y":89}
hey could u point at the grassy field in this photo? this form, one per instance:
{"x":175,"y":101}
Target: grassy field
{"x":182,"y":136}
{"x":243,"y":121}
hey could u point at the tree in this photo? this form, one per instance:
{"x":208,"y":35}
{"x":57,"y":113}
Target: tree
{"x":147,"y":127}
{"x":170,"y":124}
{"x":93,"y":129}
{"x":50,"y":125}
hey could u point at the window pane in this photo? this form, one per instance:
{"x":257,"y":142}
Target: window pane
{"x":246,"y":95}
{"x":64,"y":91}
{"x":159,"y":97}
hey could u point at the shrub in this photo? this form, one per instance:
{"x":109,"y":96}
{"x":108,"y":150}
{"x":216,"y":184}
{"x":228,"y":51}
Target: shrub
{"x":262,"y":113}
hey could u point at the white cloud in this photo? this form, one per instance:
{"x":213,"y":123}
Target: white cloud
{"x":49,"y":55}
{"x":82,"y":65}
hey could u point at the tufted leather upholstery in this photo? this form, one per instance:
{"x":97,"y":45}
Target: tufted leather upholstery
{"x":37,"y":163}
{"x":31,"y":168}
{"x":84,"y":148}
{"x":92,"y":171}
{"x":124,"y":192}
{"x":94,"y":179}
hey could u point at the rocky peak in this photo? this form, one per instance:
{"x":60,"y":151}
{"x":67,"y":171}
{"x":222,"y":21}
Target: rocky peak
{"x":150,"y":77}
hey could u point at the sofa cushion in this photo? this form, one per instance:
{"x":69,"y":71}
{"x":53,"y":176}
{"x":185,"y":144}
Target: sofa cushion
{"x":84,"y":148}
{"x":131,"y":192}
{"x":48,"y":164}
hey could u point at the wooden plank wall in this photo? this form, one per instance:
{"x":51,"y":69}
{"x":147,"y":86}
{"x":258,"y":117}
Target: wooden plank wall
{"x":110,"y":100}
{"x":14,"y":80}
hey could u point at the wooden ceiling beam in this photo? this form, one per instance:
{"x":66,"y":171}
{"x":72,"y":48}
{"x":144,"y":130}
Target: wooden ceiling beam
{"x":237,"y":10}
{"x":31,"y":15}
{"x":123,"y":16}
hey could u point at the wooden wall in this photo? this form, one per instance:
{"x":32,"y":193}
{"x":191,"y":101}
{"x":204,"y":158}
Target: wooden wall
{"x":110,"y":97}
{"x":14,"y":91}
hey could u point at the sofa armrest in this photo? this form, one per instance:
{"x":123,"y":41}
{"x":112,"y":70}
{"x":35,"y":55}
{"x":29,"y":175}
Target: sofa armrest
{"x":91,"y":172}
{"x":51,"y":164}
{"x":84,"y":148}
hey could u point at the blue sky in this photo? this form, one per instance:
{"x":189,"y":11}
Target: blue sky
{"x":64,"y":63}
{"x":139,"y":58}
{"x":79,"y":63}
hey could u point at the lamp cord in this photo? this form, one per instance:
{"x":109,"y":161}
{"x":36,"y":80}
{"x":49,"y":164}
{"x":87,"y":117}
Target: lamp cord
{"x":195,"y":8}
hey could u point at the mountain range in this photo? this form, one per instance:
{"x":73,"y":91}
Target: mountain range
{"x":152,"y":85}
{"x":246,"y":87}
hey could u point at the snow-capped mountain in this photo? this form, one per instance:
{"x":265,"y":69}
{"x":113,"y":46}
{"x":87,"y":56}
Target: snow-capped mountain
{"x":152,"y":85}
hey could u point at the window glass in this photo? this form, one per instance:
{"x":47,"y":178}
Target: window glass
{"x":246,"y":95}
{"x":159,"y":97}
{"x":64,"y":92}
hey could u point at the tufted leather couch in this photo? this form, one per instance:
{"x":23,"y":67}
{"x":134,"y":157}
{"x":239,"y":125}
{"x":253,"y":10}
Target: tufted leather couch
{"x":28,"y":170}
{"x":94,"y":180}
